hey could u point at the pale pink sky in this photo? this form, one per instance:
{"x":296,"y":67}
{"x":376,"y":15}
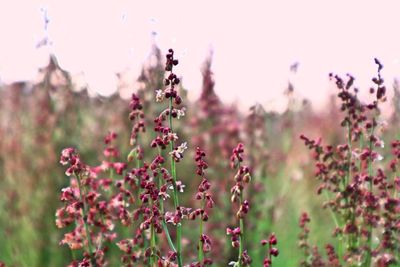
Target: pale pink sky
{"x":254,"y":42}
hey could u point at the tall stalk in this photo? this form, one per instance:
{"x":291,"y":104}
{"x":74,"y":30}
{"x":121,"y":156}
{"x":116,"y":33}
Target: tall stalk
{"x":241,"y":235}
{"x":84,"y":218}
{"x":242,"y":178}
{"x":175,"y":197}
{"x":200,"y":254}
{"x":370,"y":187}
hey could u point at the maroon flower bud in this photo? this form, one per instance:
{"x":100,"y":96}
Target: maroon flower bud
{"x":274,"y":252}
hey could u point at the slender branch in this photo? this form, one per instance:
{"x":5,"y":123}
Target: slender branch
{"x":164,"y":224}
{"x":176,"y":199}
{"x":200,"y":255}
{"x":370,"y":184}
{"x":84,"y":217}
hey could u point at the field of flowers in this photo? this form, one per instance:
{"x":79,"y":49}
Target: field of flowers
{"x":159,"y":180}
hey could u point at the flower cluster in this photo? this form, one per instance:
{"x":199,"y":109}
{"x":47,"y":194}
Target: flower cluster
{"x":242,"y":178}
{"x":172,"y":79}
{"x":70,"y":157}
{"x":204,"y":196}
{"x":167,"y":137}
{"x":137,"y":116}
{"x":272,"y":250}
{"x":234,"y":233}
{"x":110,"y":150}
{"x":101,"y":201}
{"x":357,"y":188}
{"x":85,"y":205}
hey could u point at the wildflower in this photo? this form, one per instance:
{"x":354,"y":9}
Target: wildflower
{"x":272,"y":250}
{"x":177,"y":153}
{"x":180,"y":113}
{"x":70,"y":156}
{"x":160,"y":95}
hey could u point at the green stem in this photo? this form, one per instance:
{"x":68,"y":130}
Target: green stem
{"x":84,"y":217}
{"x":336,"y":221}
{"x":351,"y":213}
{"x":164,"y":225}
{"x":241,"y":235}
{"x":333,"y":215}
{"x":176,"y":199}
{"x":200,"y":255}
{"x":370,"y":172}
{"x":152,"y":243}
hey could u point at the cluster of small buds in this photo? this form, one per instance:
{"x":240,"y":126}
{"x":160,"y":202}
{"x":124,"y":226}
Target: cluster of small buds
{"x":149,"y":214}
{"x":333,"y":259}
{"x":166,"y":136}
{"x":204,"y":187}
{"x":110,"y":150}
{"x":243,"y":210}
{"x":206,"y":242}
{"x":175,"y":113}
{"x":119,"y":167}
{"x":242,"y":178}
{"x":199,"y":213}
{"x":86,"y":207}
{"x":360,"y":194}
{"x":137,"y":116}
{"x":177,"y":153}
{"x":272,"y":250}
{"x":303,"y":237}
{"x":204,"y":195}
{"x":170,"y":81}
{"x":168,"y":261}
{"x":237,"y":157}
{"x":200,"y":163}
{"x":130,"y":255}
{"x":152,"y":217}
{"x":156,"y":165}
{"x":245,"y":259}
{"x":234,"y":233}
{"x":176,"y":217}
{"x":316,"y":258}
{"x":381,"y":90}
{"x":69,"y":156}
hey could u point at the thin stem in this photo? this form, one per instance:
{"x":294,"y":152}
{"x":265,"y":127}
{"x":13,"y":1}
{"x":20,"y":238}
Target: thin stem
{"x":333,"y":215}
{"x":351,"y":213}
{"x":176,"y":199}
{"x":370,"y":172}
{"x":152,"y":243}
{"x":164,"y":225}
{"x":200,"y":255}
{"x":241,"y":235}
{"x":338,"y":225}
{"x":84,"y":217}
